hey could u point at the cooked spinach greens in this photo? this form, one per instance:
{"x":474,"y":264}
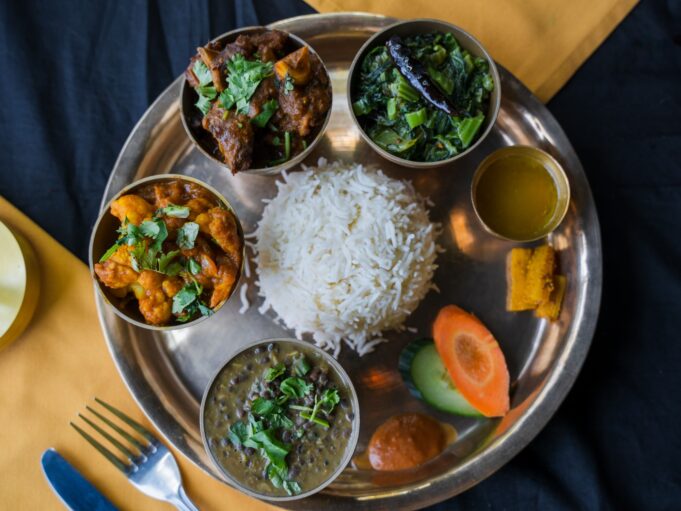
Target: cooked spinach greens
{"x":405,"y":123}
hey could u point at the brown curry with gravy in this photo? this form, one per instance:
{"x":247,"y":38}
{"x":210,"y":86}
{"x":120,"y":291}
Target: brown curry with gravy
{"x":261,"y":99}
{"x":178,"y":253}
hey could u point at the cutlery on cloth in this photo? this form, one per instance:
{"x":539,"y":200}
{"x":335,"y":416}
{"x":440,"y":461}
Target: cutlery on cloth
{"x":148,"y":465}
{"x":75,"y":492}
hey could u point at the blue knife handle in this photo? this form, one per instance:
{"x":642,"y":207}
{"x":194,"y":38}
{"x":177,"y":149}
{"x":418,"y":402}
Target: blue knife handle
{"x":76,"y":492}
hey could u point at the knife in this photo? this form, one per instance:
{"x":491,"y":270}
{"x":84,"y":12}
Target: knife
{"x":75,"y":492}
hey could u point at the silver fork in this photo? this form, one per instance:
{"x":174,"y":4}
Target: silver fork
{"x":152,"y":470}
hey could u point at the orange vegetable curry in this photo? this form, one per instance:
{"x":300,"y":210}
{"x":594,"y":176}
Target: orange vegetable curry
{"x":406,"y":441}
{"x":178,"y":253}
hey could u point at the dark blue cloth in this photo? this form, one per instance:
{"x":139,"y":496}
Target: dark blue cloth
{"x":78,"y":74}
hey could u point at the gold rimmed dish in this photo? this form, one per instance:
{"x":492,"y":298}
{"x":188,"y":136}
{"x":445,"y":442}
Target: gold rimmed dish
{"x":226,"y":389}
{"x":520,"y":185}
{"x":105,"y":235}
{"x":418,"y":27}
{"x":192,"y":118}
{"x":19,"y":284}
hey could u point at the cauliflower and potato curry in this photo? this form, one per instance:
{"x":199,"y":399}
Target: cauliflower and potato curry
{"x":179,"y":252}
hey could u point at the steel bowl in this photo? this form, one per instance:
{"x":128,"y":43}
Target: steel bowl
{"x":104,"y":236}
{"x":415,"y":27}
{"x":352,"y":441}
{"x":553,"y":168}
{"x":190,"y":115}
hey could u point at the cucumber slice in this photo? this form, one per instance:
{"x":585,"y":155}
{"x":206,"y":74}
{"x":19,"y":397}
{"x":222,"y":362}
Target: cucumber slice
{"x":427,"y":379}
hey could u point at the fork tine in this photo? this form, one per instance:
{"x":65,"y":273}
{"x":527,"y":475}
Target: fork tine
{"x":103,"y":450}
{"x":124,"y":450}
{"x":133,"y":424}
{"x":139,"y":445}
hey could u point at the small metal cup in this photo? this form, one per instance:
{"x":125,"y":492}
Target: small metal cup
{"x":352,"y":441}
{"x":189,"y":112}
{"x":104,"y":236}
{"x":415,"y":27}
{"x":553,"y":168}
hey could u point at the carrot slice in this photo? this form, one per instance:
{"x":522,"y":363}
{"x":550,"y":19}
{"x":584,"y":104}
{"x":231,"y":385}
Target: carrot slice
{"x":473,"y":359}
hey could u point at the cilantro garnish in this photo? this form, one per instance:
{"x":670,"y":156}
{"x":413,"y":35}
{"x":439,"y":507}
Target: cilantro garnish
{"x":111,"y":251}
{"x":253,"y":434}
{"x":243,"y":76}
{"x":295,"y":387}
{"x":325,"y":404}
{"x":266,"y":114}
{"x":186,"y":235}
{"x":274,"y":372}
{"x":202,"y":73}
{"x":194,"y":267}
{"x":288,"y":84}
{"x":174,"y":211}
{"x":205,"y":90}
{"x":300,"y":366}
{"x":187,"y":302}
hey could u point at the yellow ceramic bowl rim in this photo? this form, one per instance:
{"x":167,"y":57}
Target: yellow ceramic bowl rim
{"x":21,"y":259}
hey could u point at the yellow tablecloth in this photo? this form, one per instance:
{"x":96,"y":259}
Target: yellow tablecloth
{"x":542,"y":42}
{"x":48,"y":375}
{"x":61,"y":361}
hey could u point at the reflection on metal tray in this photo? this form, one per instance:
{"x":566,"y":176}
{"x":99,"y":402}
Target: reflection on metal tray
{"x":167,"y":372}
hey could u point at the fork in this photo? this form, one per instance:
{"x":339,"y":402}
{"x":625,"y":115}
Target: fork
{"x":153,"y":470}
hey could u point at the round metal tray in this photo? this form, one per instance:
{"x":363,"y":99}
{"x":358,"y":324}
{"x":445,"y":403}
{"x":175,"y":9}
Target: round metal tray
{"x":167,"y":371}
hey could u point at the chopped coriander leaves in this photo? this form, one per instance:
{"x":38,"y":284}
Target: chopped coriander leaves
{"x":111,"y":251}
{"x":275,"y":372}
{"x":288,"y":84}
{"x":187,"y":302}
{"x":243,"y":76}
{"x":266,"y":114}
{"x":205,"y":90}
{"x":263,"y":406}
{"x":174,"y":211}
{"x":300,"y":366}
{"x":185,"y":297}
{"x":202,"y":73}
{"x":186,"y":235}
{"x":129,"y":233}
{"x":287,"y":145}
{"x":165,"y":263}
{"x":193,"y":267}
{"x":149,"y":229}
{"x":147,"y":242}
{"x":295,"y":387}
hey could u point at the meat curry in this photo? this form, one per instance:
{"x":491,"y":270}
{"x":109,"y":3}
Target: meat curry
{"x":261,"y":100}
{"x":179,"y":252}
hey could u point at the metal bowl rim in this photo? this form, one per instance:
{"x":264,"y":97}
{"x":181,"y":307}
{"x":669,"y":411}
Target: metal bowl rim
{"x":495,"y":97}
{"x":352,"y":442}
{"x":266,"y":171}
{"x":106,"y":211}
{"x":534,"y":419}
{"x":557,"y":167}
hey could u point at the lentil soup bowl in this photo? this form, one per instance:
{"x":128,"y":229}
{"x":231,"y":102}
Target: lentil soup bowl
{"x":280,"y":419}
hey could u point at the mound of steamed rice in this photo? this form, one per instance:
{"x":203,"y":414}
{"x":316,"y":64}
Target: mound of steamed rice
{"x":344,"y":253}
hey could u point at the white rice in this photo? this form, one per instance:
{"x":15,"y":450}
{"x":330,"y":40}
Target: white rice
{"x":344,"y":253}
{"x":243,"y":296}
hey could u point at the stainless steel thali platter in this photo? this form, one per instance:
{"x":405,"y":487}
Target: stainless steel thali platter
{"x":167,"y":372}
